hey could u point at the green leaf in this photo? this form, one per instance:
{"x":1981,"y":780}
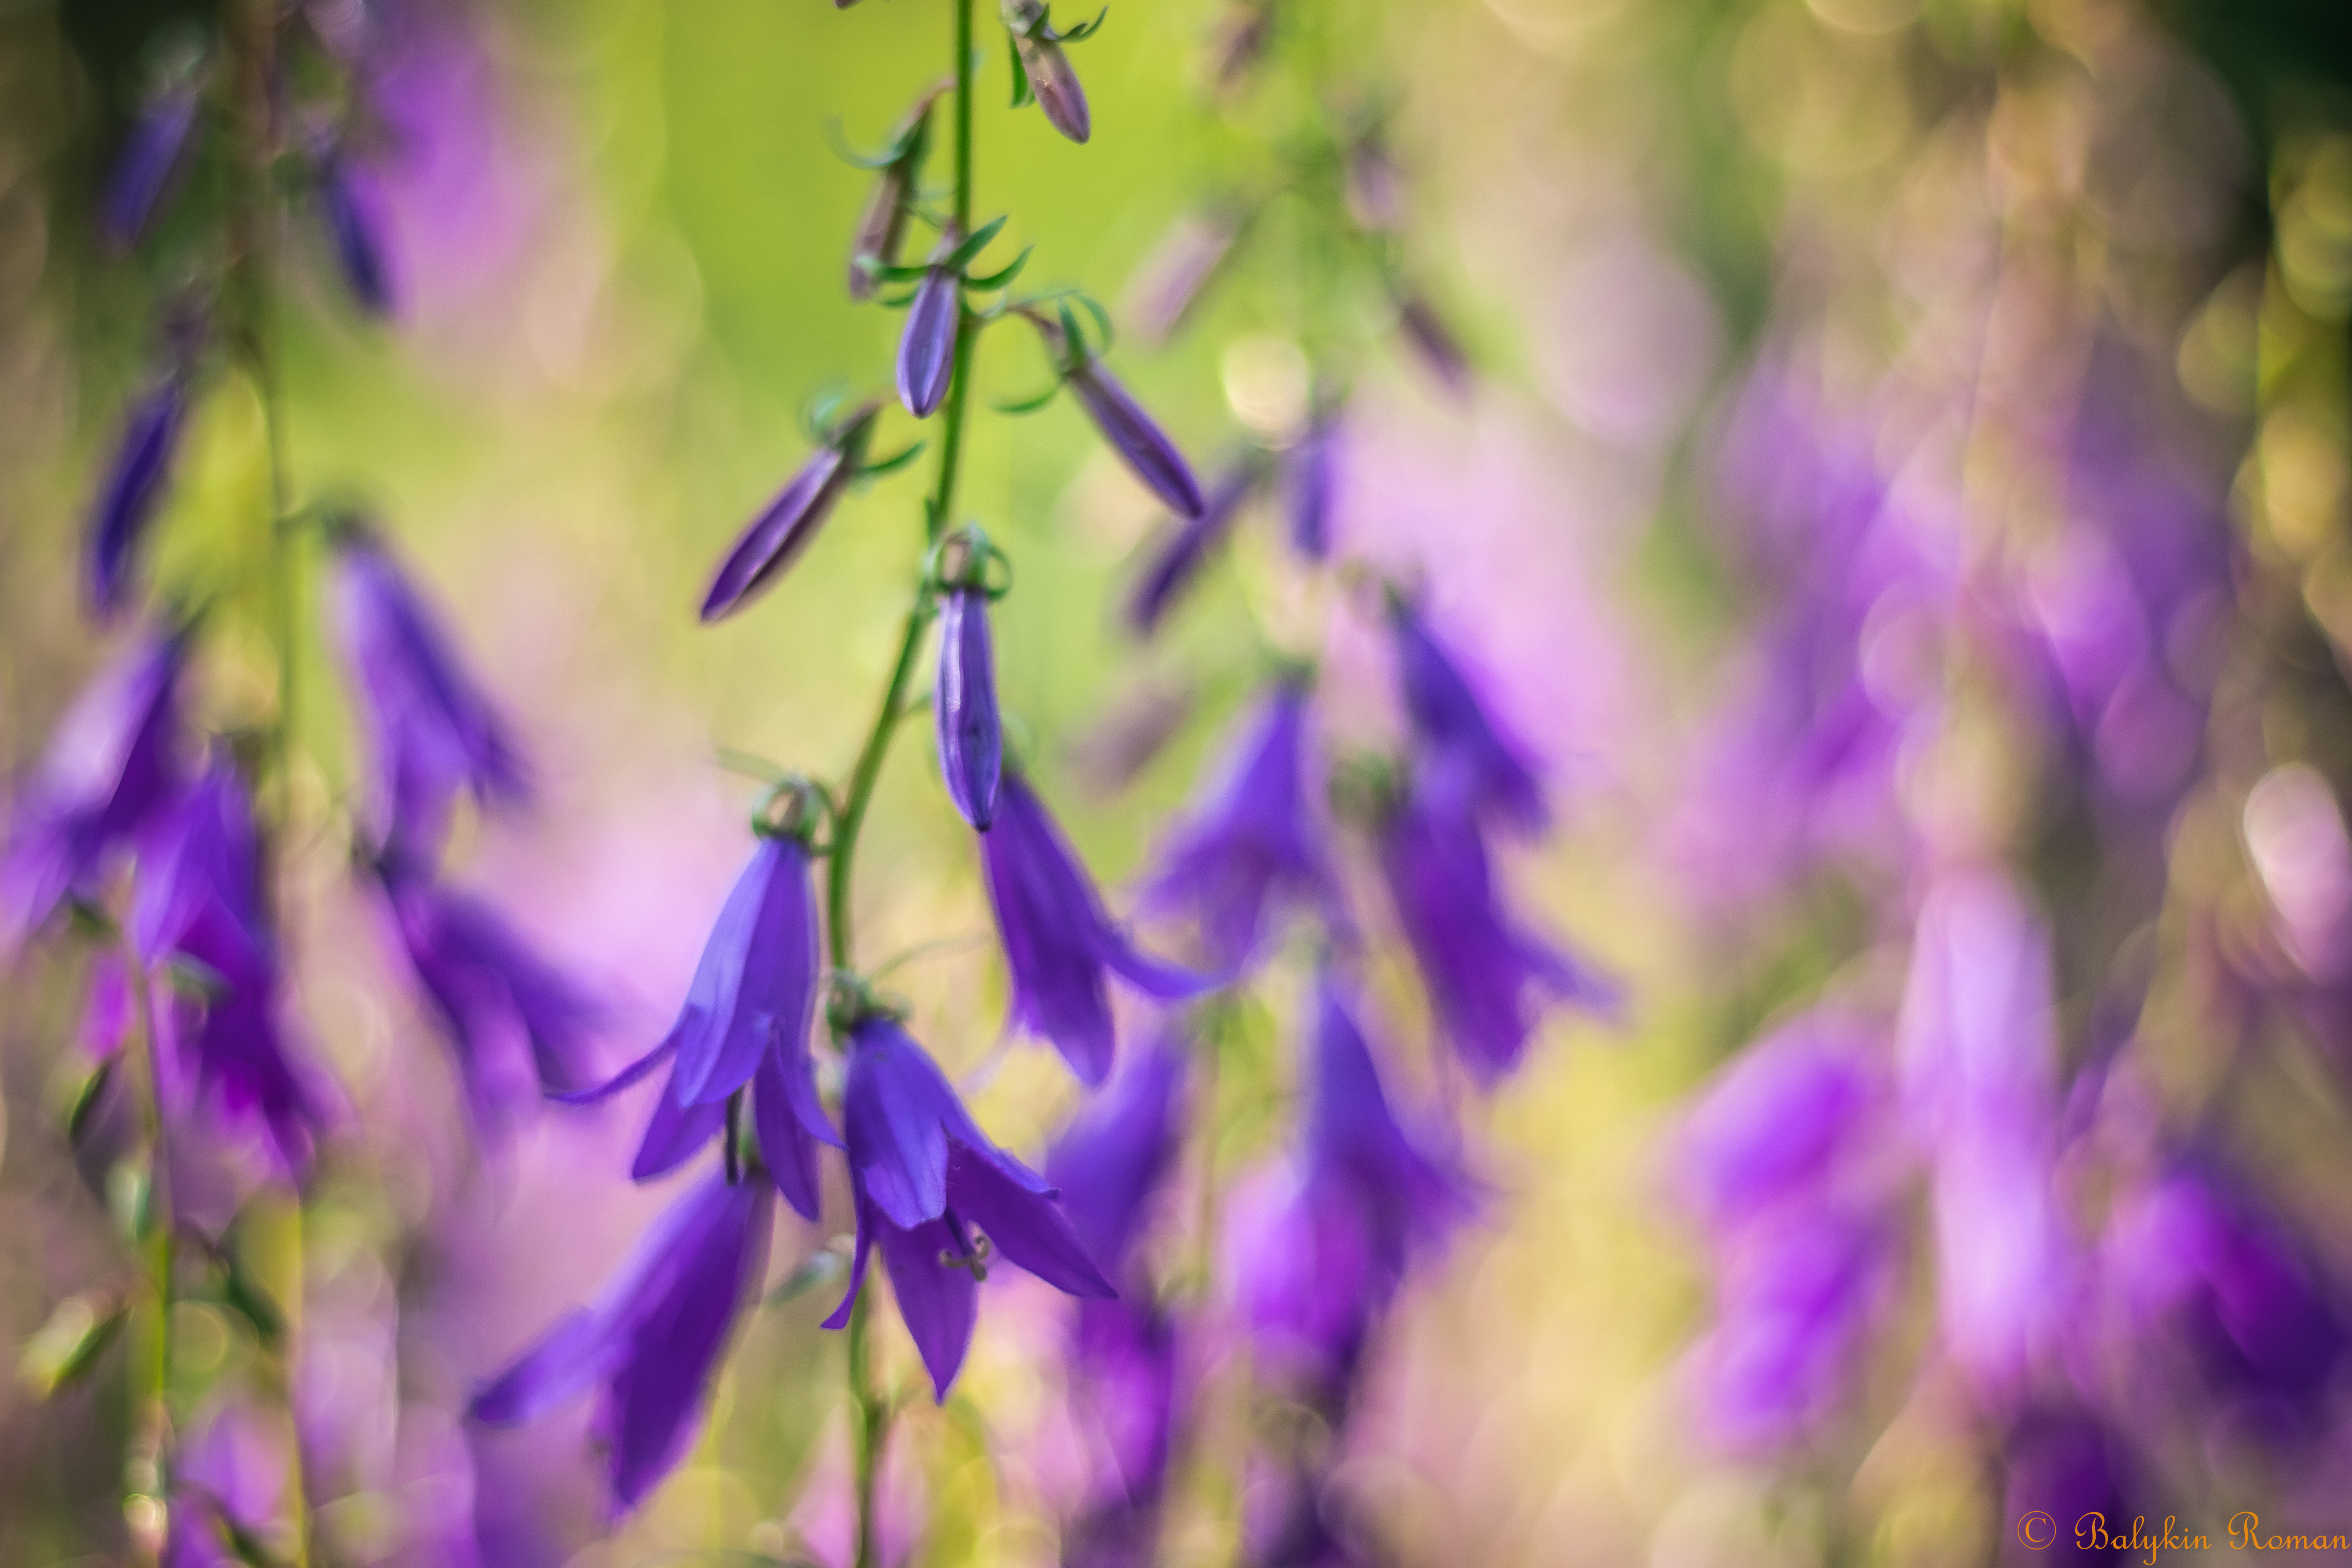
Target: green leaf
{"x":1083,"y":30}
{"x":1030,"y":404}
{"x":1021,"y":93}
{"x":1003,"y":277}
{"x":883,"y":272}
{"x":891,"y":464}
{"x":86,"y":1101}
{"x":63,"y":1350}
{"x":977,"y":241}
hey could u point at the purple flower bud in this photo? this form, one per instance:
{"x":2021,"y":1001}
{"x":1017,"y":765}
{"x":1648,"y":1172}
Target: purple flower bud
{"x":746,"y":1019}
{"x":1176,"y":273}
{"x":1307,"y":488}
{"x":111,"y":765}
{"x":926,"y":352}
{"x":1453,"y":728}
{"x":1434,"y":342}
{"x":1140,"y":444}
{"x":1118,"y":1150}
{"x":926,"y":1179}
{"x":431,"y":731}
{"x":134,"y":486}
{"x":518,"y":1026}
{"x":778,"y":535}
{"x":147,"y":170}
{"x":651,"y":1337}
{"x":1375,"y":185}
{"x":348,"y":203}
{"x":971,"y":736}
{"x":880,"y":228}
{"x":1058,"y":939}
{"x":1250,"y":837}
{"x":1241,"y":41}
{"x":1051,"y":79}
{"x":1183,"y":548}
{"x":1488,"y":982}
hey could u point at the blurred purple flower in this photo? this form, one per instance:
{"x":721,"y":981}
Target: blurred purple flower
{"x":350,"y":206}
{"x":746,"y":1019}
{"x":1488,"y":981}
{"x":2066,"y":1466}
{"x":1125,"y":1365}
{"x":1453,"y":728}
{"x":778,"y":535}
{"x":229,"y":1478}
{"x":1250,"y":836}
{"x":1140,"y":444}
{"x":108,"y":766}
{"x":925,"y":1178}
{"x":148,"y":167}
{"x":518,"y":1026}
{"x":651,"y":1337}
{"x":926,"y":350}
{"x":1171,"y":278}
{"x":1796,"y":1288}
{"x":1781,"y":1120}
{"x":1058,"y":939}
{"x":1180,"y":550}
{"x":1051,"y":79}
{"x":134,"y":489}
{"x":431,"y":731}
{"x":1117,"y":1151}
{"x":1308,"y":482}
{"x":970,"y":732}
{"x":1434,"y":342}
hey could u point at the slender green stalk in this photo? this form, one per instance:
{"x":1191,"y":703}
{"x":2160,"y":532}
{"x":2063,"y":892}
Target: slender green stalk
{"x":872,"y":1409}
{"x":144,"y":1478}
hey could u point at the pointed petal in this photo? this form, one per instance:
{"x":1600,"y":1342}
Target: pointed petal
{"x":895,"y":1111}
{"x":717,"y":985}
{"x":571,"y":1356}
{"x":628,"y":1075}
{"x":778,"y":535}
{"x":1025,"y":1226}
{"x":786,"y":1146}
{"x":774,"y":999}
{"x":676,"y":1135}
{"x":970,"y":732}
{"x":868,"y":1221}
{"x":938,"y":1304}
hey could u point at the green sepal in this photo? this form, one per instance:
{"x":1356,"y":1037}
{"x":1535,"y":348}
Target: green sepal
{"x":1078,"y":34}
{"x":956,"y":260}
{"x":65,"y":1350}
{"x":85,"y":1103}
{"x":1003,"y":277}
{"x":891,"y":464}
{"x":1022,"y":96}
{"x":1030,"y":404}
{"x":887,"y":272}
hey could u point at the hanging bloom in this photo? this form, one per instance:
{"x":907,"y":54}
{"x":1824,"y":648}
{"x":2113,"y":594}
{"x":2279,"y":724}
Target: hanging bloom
{"x":1796,"y":1291}
{"x":746,"y":1020}
{"x":926,"y":350}
{"x":518,"y":1026}
{"x":876,"y":243}
{"x":1140,"y":444}
{"x":1454,"y":727}
{"x":651,"y":1337}
{"x":431,"y":731}
{"x":926,"y":1179}
{"x":1308,"y":486}
{"x":1163,"y":289}
{"x":1118,"y":1150}
{"x":1781,"y":1121}
{"x":1124,"y":1362}
{"x":971,"y":734}
{"x":1185,"y":546}
{"x":148,"y":166}
{"x":1488,"y":981}
{"x":2064,"y":1465}
{"x":109,"y":768}
{"x":134,"y":486}
{"x":1434,"y":342}
{"x":1250,"y":836}
{"x":1058,"y":939}
{"x":778,"y":535}
{"x":1047,"y":70}
{"x":355,"y":228}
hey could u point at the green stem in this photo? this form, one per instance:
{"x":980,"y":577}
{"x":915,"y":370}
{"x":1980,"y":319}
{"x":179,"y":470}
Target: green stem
{"x":872,"y":1412}
{"x":146,"y":1480}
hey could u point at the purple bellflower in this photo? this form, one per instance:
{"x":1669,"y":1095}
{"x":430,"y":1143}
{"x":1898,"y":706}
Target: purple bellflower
{"x":778,"y":535}
{"x":1038,"y":47}
{"x":1118,"y":1150}
{"x":1782,"y":1121}
{"x":1796,"y":1288}
{"x":925,"y":1178}
{"x":148,"y":166}
{"x":1176,"y":273}
{"x":127,"y":502}
{"x":518,"y":1028}
{"x":1058,"y":939}
{"x":875,"y":244}
{"x":1454,"y":729}
{"x":1488,"y":980}
{"x":746,"y":1020}
{"x":2065,"y":1466}
{"x":1308,"y":484}
{"x":109,"y":766}
{"x":199,"y":912}
{"x":926,"y":350}
{"x":971,"y":732}
{"x":1252,"y":836}
{"x":651,"y":1337}
{"x":1142,"y":445}
{"x":349,"y":205}
{"x":433,"y":732}
{"x":1177,"y":561}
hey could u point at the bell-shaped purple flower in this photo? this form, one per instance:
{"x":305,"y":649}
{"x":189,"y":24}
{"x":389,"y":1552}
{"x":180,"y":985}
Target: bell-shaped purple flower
{"x":1251,"y":836}
{"x":1118,"y":1150}
{"x":1308,"y":485}
{"x":971,"y":732}
{"x":110,"y":765}
{"x":1051,"y":80}
{"x":1488,"y":980}
{"x":1796,"y":1291}
{"x":148,"y":167}
{"x":746,"y":1020}
{"x":2068,"y":1473}
{"x":1058,"y":939}
{"x":1781,"y":1121}
{"x":134,"y":489}
{"x":1453,"y":728}
{"x":1178,"y":558}
{"x":926,"y":350}
{"x":518,"y":1026}
{"x":349,"y":205}
{"x":1178,"y":269}
{"x":651,"y":1337}
{"x":926,"y":1179}
{"x":431,"y":731}
{"x":778,"y":535}
{"x":1140,"y":444}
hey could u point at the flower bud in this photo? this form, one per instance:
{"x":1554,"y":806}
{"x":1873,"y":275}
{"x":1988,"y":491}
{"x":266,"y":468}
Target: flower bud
{"x":347,"y":202}
{"x":1434,"y":342}
{"x":884,"y":218}
{"x":1140,"y":444}
{"x":133,"y":488}
{"x":1172,"y":276}
{"x":972,"y":733}
{"x":1051,"y":79}
{"x":778,"y":535}
{"x":1307,"y":486}
{"x":146,"y":172}
{"x":926,"y":352}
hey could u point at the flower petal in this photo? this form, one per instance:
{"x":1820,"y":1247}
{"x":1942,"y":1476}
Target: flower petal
{"x":939,"y":1303}
{"x":1025,"y":1226}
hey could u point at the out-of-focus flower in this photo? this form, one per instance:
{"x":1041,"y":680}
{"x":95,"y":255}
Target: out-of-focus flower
{"x":134,"y":489}
{"x":1375,"y":185}
{"x":778,"y":535}
{"x":1180,"y":553}
{"x":2067,"y":1467}
{"x":1140,"y":444}
{"x":926,"y":350}
{"x":1308,"y":484}
{"x":650,"y":1338}
{"x":148,"y":167}
{"x":746,"y":1019}
{"x":875,"y":244}
{"x":1781,"y":1121}
{"x":1434,"y":342}
{"x":1488,"y":981}
{"x":1250,"y":838}
{"x":1117,"y":1151}
{"x":518,"y":1026}
{"x":1048,"y":69}
{"x":1059,"y":940}
{"x":1795,"y":1290}
{"x":433,"y":732}
{"x":1452,"y":728}
{"x":110,"y":765}
{"x":1172,"y":279}
{"x":926,"y":1179}
{"x":229,"y":1478}
{"x":349,"y":205}
{"x":971,"y":731}
{"x":1240,"y":42}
